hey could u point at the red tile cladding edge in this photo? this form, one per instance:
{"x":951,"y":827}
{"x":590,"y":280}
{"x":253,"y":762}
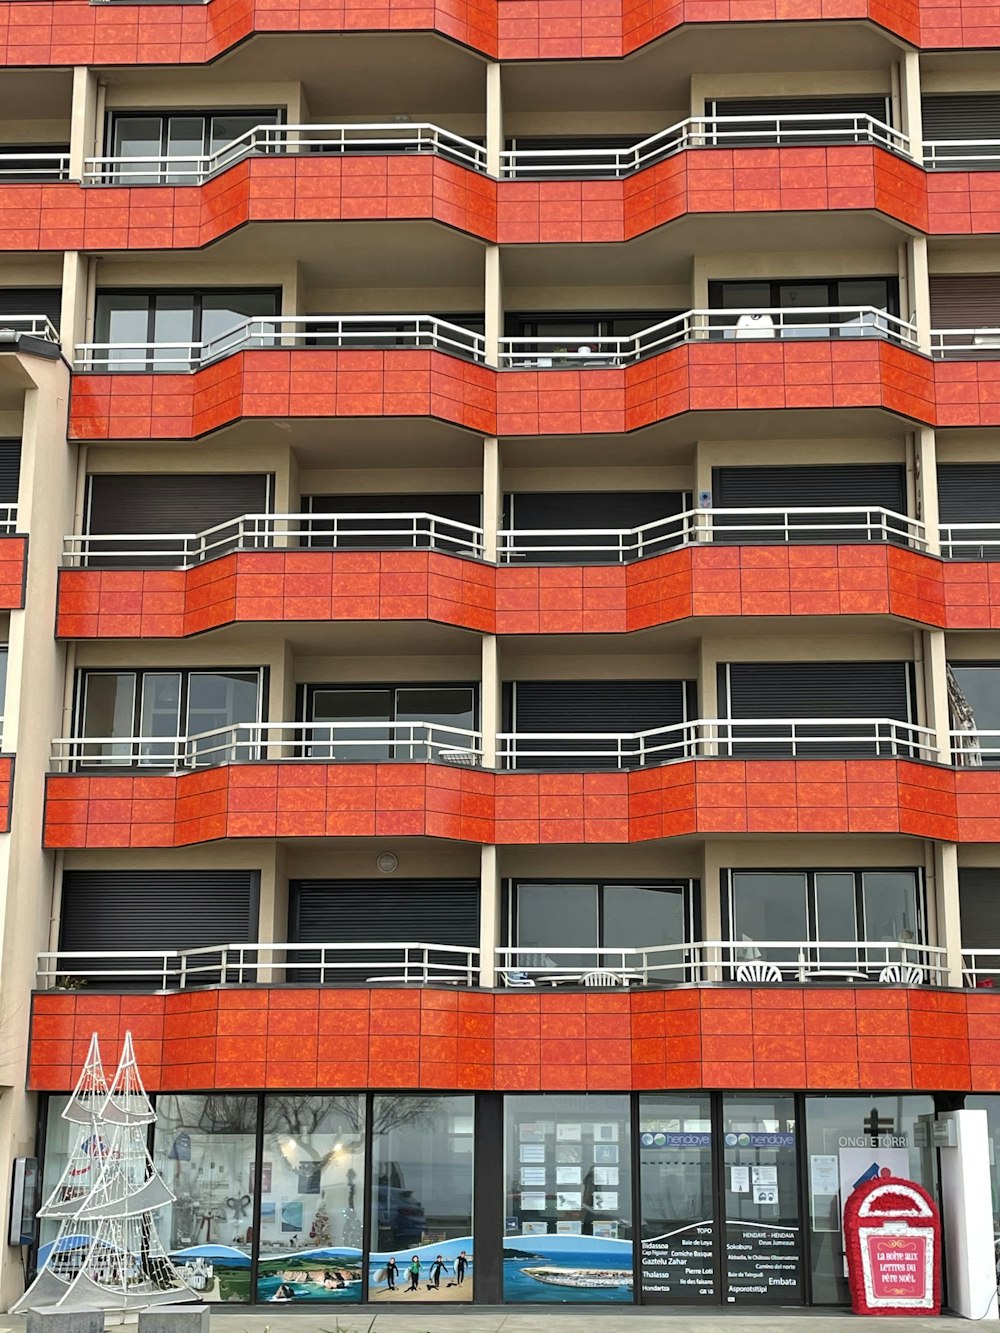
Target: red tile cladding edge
{"x":698,"y":376}
{"x":298,"y":800}
{"x":699,"y":580}
{"x":665,"y":1038}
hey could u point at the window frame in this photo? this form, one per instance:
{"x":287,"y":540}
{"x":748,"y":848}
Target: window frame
{"x":165,"y":115}
{"x":690,"y":898}
{"x":152,"y":295}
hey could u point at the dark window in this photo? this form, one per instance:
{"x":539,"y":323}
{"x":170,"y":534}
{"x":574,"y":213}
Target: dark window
{"x":131,"y":319}
{"x":588,"y":915}
{"x":576,"y":330}
{"x":962,"y":117}
{"x":175,"y":134}
{"x":142,"y":717}
{"x":969,"y":493}
{"x":387,"y":534}
{"x":30,"y":162}
{"x":10,"y":471}
{"x":782,"y":692}
{"x":172,"y":503}
{"x":854,"y":487}
{"x":796,"y":919}
{"x":557,"y":527}
{"x":819,"y":131}
{"x":979,"y":903}
{"x":149,"y":910}
{"x":379,"y":912}
{"x":572,"y":711}
{"x":396,"y":330}
{"x":852,"y":296}
{"x":368,"y":723}
{"x":974,"y":696}
{"x":45,"y":301}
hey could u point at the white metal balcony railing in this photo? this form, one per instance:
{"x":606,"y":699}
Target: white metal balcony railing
{"x":794,"y":962}
{"x":25,"y":168}
{"x":801,"y":738}
{"x":431,"y":742}
{"x":981,"y":968}
{"x":13,"y":327}
{"x":975,"y":748}
{"x":8,"y":520}
{"x":970,"y":541}
{"x":258,"y":532}
{"x":621,"y":546}
{"x":249,"y":964}
{"x":757,"y":961}
{"x":755,"y":323}
{"x":962,"y":154}
{"x":973,"y":344}
{"x":424,"y":531}
{"x":339,"y":332}
{"x":275,"y":742}
{"x":600,"y":162}
{"x":385,"y":332}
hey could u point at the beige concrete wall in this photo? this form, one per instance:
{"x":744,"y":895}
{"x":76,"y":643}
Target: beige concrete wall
{"x":33,"y":701}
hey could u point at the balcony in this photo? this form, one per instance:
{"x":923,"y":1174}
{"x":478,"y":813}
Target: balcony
{"x":274,"y":742}
{"x":752,"y":324}
{"x":381,"y":962}
{"x":598,"y":163}
{"x":336,"y":332}
{"x":33,"y":168}
{"x":962,"y":154}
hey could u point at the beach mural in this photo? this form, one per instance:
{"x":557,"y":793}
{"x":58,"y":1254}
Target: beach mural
{"x":441,"y":1272}
{"x":567,"y":1269}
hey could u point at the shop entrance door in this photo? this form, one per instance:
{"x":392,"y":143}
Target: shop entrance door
{"x":762,"y":1234}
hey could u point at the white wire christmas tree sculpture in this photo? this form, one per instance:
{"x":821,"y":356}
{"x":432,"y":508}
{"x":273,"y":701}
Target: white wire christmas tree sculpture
{"x":108,"y":1254}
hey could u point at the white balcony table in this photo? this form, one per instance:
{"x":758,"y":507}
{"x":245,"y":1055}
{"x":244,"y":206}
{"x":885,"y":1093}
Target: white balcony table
{"x":836,"y":974}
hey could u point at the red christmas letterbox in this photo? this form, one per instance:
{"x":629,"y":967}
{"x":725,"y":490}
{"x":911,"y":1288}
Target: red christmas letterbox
{"x":892,"y":1234}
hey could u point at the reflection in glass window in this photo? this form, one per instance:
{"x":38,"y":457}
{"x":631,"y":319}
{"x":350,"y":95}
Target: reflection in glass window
{"x":203,"y":1147}
{"x":568,"y":1209}
{"x":312,"y":1198}
{"x":422,"y":1186}
{"x":974,"y":696}
{"x":835,"y":1165}
{"x":678,"y":1207}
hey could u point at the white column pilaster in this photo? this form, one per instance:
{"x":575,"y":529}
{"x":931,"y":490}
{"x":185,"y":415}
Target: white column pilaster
{"x":84,"y":119}
{"x":494,"y":118}
{"x":490,"y":699}
{"x":925,"y":468}
{"x":493,"y":304}
{"x":489,"y":914}
{"x":492,"y":496}
{"x":948,"y":910}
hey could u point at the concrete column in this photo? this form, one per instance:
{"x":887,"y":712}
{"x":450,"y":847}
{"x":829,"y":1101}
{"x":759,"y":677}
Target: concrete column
{"x":493,"y":304}
{"x":75,"y":299}
{"x":711,"y":909}
{"x":925,"y":478}
{"x":490,"y":695}
{"x":947,"y":909}
{"x":272,"y":915}
{"x":84,"y":119}
{"x":936,"y":692}
{"x":489,"y":914}
{"x":708,"y":689}
{"x":492,"y":496}
{"x":494,"y":118}
{"x":911,"y":116}
{"x":967,"y":1215}
{"x":918,"y":307}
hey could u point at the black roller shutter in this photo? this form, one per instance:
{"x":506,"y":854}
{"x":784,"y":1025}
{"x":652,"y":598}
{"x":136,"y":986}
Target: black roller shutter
{"x":970,"y":493}
{"x":879,"y":108}
{"x":965,"y":301}
{"x":459,"y":508}
{"x":556,"y":167}
{"x":367,"y":911}
{"x":10,"y":471}
{"x":589,"y":706}
{"x":32,"y":301}
{"x":848,"y":486}
{"x":961,"y":116}
{"x":576,"y":511}
{"x":780,"y":690}
{"x":156,"y":909}
{"x":979,"y":904}
{"x":175,"y":502}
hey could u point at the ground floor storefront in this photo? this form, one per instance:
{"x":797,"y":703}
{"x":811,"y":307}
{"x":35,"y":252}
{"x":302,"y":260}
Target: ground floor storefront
{"x":673,"y":1198}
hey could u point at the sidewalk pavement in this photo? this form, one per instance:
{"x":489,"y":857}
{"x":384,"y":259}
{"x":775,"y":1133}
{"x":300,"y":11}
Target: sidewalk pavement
{"x":559,"y":1319}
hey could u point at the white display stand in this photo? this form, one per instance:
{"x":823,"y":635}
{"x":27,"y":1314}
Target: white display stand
{"x":967,"y":1214}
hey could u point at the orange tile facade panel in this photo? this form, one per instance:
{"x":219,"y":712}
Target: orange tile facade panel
{"x":288,"y":586}
{"x":58,"y":216}
{"x":704,"y":796}
{"x":13,"y":557}
{"x":715,"y":1038}
{"x":698,"y":376}
{"x":72,"y":32}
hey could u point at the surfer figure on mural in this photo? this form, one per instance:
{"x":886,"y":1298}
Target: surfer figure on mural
{"x":391,"y":1269}
{"x":461,"y":1264}
{"x":414,"y":1272}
